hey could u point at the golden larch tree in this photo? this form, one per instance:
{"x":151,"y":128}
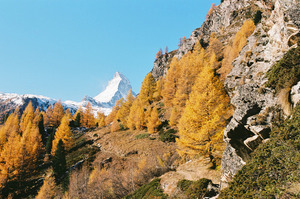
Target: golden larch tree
{"x":132,"y":115}
{"x":110,"y":118}
{"x":233,"y":50}
{"x":171,"y":82}
{"x":101,"y":119}
{"x":158,"y":89}
{"x":31,"y":143}
{"x":55,"y":115}
{"x":115,"y":126}
{"x":10,"y":127}
{"x":191,"y":64}
{"x":202,"y":123}
{"x":47,"y":191}
{"x":88,"y":119}
{"x":123,"y":112}
{"x":27,"y":116}
{"x":153,"y":122}
{"x":64,"y":133}
{"x":147,"y":90}
{"x":49,"y":112}
{"x":10,"y":159}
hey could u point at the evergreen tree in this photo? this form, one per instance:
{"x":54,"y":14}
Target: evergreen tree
{"x":77,"y":119}
{"x":59,"y":164}
{"x":50,"y":139}
{"x":39,"y":121}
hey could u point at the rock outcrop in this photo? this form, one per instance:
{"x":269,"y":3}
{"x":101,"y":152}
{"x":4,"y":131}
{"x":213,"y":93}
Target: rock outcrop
{"x":277,"y":32}
{"x":250,"y":124}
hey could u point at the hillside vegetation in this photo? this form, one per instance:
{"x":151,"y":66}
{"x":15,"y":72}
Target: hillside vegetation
{"x":273,"y":171}
{"x":168,"y":141}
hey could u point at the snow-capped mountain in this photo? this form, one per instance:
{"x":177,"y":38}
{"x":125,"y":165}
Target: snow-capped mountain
{"x":117,"y":88}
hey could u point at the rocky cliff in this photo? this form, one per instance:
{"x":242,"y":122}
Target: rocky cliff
{"x":274,"y":35}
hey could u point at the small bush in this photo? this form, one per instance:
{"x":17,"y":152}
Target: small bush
{"x":274,"y":166}
{"x":194,"y":189}
{"x":168,"y":136}
{"x":142,"y":136}
{"x":286,"y":72}
{"x":184,"y":184}
{"x":150,"y":190}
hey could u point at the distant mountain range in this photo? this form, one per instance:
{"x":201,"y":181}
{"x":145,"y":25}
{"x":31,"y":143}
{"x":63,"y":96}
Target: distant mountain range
{"x":116,"y":89}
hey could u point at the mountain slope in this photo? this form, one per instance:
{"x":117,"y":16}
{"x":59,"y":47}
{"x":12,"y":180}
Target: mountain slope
{"x":117,"y":88}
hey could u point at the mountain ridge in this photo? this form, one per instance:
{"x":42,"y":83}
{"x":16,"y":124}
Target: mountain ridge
{"x":103,"y":102}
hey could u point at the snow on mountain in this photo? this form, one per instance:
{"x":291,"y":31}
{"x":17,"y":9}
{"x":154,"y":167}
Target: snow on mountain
{"x":117,"y":88}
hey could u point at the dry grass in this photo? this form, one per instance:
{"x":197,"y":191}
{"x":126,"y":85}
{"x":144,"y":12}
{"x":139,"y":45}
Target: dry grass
{"x":123,"y":164}
{"x":284,"y":101}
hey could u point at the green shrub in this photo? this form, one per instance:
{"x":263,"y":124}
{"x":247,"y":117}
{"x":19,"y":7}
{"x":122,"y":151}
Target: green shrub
{"x":150,"y":190}
{"x":194,"y":189}
{"x":257,"y":17}
{"x":168,"y":136}
{"x":184,"y":184}
{"x":274,"y":166}
{"x":286,"y":72}
{"x":142,"y":136}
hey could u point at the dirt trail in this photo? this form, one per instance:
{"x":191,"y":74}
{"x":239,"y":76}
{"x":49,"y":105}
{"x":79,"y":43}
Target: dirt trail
{"x":192,"y":170}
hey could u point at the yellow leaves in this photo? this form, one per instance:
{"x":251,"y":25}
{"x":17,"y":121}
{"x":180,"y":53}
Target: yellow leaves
{"x":115,"y":126}
{"x":101,"y":119}
{"x":171,"y":82}
{"x":10,"y":128}
{"x":64,"y":133}
{"x":202,"y":120}
{"x":153,"y":121}
{"x":232,"y":51}
{"x":88,"y":119}
{"x":47,"y":190}
{"x":147,"y":90}
{"x":54,"y":114}
{"x":27,"y":116}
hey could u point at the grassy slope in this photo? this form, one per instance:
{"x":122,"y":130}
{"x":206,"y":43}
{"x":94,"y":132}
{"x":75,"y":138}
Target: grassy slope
{"x":273,"y":171}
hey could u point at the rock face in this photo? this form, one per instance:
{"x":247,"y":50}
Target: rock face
{"x":161,"y":64}
{"x":250,"y":123}
{"x":277,"y":32}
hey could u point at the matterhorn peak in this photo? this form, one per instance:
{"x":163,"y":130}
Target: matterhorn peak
{"x":117,"y":88}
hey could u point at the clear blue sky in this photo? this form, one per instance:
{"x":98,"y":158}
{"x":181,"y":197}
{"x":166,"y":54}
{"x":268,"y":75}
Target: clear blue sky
{"x":66,"y":49}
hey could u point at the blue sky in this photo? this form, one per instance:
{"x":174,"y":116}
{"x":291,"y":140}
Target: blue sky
{"x":66,"y":49}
